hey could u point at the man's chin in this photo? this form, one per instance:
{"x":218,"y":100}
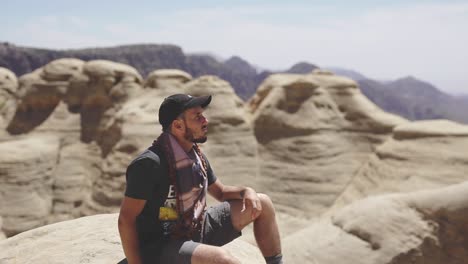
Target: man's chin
{"x":200,"y":140}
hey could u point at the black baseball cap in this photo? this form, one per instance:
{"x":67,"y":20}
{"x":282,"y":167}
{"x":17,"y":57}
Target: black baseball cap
{"x":176,"y":104}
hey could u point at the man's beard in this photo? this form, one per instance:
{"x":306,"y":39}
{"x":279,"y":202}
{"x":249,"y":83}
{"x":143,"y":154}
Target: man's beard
{"x":188,"y":135}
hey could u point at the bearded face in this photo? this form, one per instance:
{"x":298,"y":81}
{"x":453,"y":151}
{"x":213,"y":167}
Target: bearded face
{"x":196,"y":135}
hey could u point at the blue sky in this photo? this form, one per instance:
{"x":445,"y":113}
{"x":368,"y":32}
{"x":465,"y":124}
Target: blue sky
{"x":382,"y":39}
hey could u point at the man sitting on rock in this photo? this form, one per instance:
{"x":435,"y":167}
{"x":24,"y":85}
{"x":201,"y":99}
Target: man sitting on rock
{"x":163,"y":216}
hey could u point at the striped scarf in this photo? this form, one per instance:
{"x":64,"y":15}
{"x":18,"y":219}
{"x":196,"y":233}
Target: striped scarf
{"x":189,"y":178}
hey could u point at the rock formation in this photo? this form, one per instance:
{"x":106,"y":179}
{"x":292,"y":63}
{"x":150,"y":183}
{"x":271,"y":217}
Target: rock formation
{"x":8,"y":90}
{"x":2,"y":235}
{"x":230,"y":135}
{"x":92,"y":239}
{"x":231,"y":147}
{"x":313,"y":142}
{"x":314,"y":133}
{"x":419,"y":155}
{"x":72,"y":104}
{"x":101,"y":115}
{"x":26,"y":197}
{"x":421,"y":227}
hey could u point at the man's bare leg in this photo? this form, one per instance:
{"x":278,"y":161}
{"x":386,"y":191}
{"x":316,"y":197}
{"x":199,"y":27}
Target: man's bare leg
{"x":265,"y":226}
{"x":206,"y":254}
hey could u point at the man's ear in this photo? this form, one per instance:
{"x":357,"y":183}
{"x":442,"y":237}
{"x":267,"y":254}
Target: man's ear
{"x":178,"y":124}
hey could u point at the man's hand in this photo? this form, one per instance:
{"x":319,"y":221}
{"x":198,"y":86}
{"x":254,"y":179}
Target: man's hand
{"x":250,"y":198}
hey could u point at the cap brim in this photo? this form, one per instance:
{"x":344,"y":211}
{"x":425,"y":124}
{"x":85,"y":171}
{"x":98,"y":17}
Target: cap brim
{"x":202,"y":101}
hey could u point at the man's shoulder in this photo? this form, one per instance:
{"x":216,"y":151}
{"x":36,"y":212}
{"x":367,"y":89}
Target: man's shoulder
{"x":149,"y":155}
{"x":206,"y":159}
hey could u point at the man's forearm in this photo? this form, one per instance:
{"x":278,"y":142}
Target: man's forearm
{"x":234,"y":192}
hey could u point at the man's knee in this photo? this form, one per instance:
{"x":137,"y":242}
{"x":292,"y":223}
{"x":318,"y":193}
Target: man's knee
{"x":266,"y":202}
{"x":225,"y":257}
{"x":213,"y":255}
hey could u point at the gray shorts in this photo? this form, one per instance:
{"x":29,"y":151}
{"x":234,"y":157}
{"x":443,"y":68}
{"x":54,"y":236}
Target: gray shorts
{"x":218,"y":231}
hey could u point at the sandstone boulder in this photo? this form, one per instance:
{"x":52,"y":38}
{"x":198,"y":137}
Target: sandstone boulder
{"x":75,"y":102}
{"x":26,"y":180}
{"x":167,"y":77}
{"x":76,"y":178}
{"x":421,"y":227}
{"x":310,"y":141}
{"x":314,"y":132}
{"x":38,"y":99}
{"x":62,"y":69}
{"x":8,"y":81}
{"x":230,"y":148}
{"x":8,"y":89}
{"x":92,"y":239}
{"x":2,"y":235}
{"x":420,"y":155}
{"x":139,"y":115}
{"x":430,"y":128}
{"x":62,"y":122}
{"x":136,"y":127}
{"x":109,"y":85}
{"x":231,"y":145}
{"x":94,"y":89}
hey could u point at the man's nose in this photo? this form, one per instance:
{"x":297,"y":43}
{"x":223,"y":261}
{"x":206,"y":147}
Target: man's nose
{"x":205,"y":120}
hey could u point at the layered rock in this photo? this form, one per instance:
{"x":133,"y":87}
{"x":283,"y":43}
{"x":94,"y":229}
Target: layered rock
{"x":139,"y":115}
{"x":77,"y":171}
{"x":2,"y":235}
{"x":167,"y":79}
{"x":310,"y":141}
{"x":98,"y":96}
{"x":26,"y":180}
{"x":39,"y":96}
{"x":419,"y":155}
{"x":314,"y":132}
{"x":421,"y":227}
{"x":138,"y":126}
{"x":73,"y":102}
{"x":92,"y":239}
{"x":94,"y":89}
{"x":8,"y":90}
{"x":110,"y":85}
{"x":231,"y":145}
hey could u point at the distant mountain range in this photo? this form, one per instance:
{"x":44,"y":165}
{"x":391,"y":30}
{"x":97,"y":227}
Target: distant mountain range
{"x":411,"y":98}
{"x":145,"y":58}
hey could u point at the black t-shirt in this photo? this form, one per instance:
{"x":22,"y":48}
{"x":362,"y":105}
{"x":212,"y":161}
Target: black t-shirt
{"x":148,"y":179}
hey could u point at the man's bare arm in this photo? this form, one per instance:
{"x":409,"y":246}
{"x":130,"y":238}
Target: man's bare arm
{"x":129,"y":211}
{"x":249,"y":196}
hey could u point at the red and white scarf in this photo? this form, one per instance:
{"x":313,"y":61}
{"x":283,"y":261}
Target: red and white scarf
{"x":189,"y":178}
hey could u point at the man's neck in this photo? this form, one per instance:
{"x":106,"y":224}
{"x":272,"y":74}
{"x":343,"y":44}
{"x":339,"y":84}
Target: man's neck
{"x":185,"y":144}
